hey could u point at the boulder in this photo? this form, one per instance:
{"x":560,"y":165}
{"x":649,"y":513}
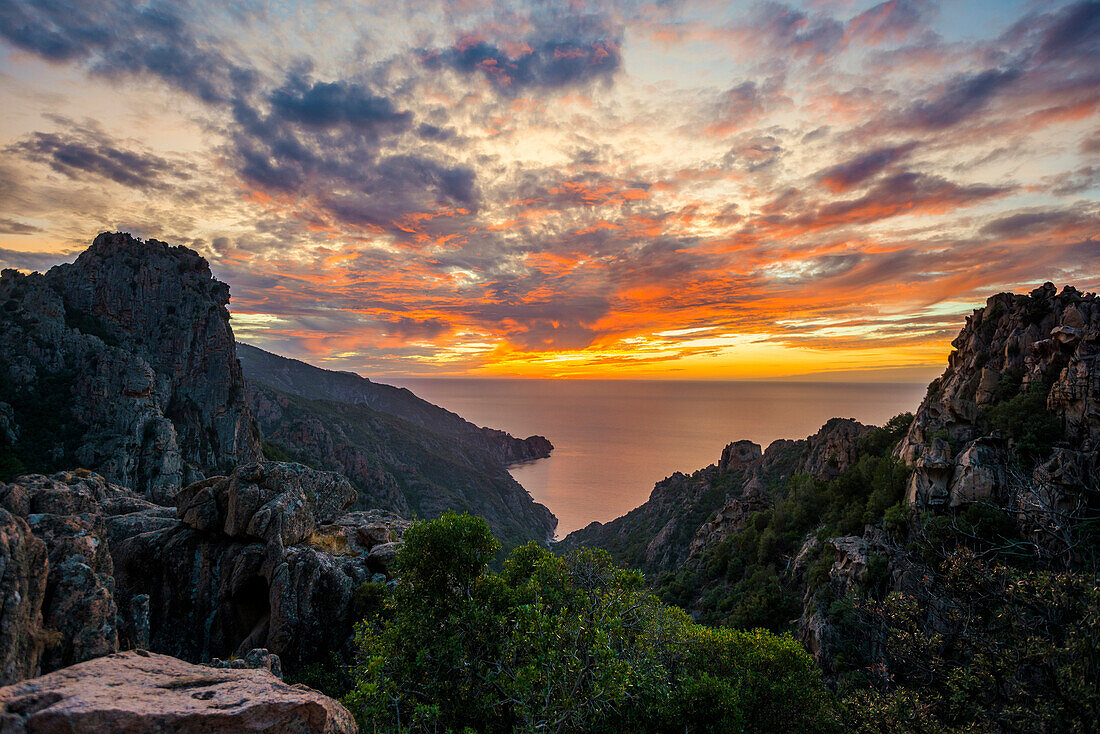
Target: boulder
{"x":269,"y":501}
{"x":980,"y":472}
{"x":138,"y":691}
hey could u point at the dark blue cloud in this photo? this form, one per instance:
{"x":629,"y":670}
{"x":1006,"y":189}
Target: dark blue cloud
{"x":550,"y":65}
{"x":962,"y":97}
{"x":33,"y":260}
{"x":80,"y":150}
{"x":329,"y":104}
{"x":848,"y":174}
{"x":1075,"y":31}
{"x":12,"y":226}
{"x":120,"y":39}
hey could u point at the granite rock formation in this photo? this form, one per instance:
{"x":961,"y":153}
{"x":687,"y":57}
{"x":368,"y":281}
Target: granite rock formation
{"x":264,"y":558}
{"x":139,"y":691}
{"x":1046,"y":343}
{"x":23,"y":568}
{"x":74,"y":617}
{"x":123,"y":363}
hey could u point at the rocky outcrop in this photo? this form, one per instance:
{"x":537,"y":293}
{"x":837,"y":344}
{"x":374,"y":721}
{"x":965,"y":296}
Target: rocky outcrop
{"x":123,"y":363}
{"x":1046,"y":341}
{"x":833,"y":448}
{"x":980,"y":473}
{"x":401,"y":467}
{"x":138,"y":691}
{"x":266,"y":557}
{"x":75,"y":619}
{"x":263,"y":558}
{"x":23,"y":569}
{"x":270,"y":502}
{"x":294,"y":377}
{"x":739,"y":456}
{"x":685,"y":515}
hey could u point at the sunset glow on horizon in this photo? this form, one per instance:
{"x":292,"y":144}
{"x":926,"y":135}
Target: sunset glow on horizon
{"x":689,"y":190}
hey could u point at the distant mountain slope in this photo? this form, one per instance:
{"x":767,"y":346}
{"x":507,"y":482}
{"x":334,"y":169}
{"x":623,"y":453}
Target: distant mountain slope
{"x":398,"y":465}
{"x":295,"y":377}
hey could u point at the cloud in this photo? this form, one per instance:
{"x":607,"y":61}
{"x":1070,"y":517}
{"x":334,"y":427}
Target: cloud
{"x":888,"y":21}
{"x":409,"y":328}
{"x":84,"y":150}
{"x":11,"y":226}
{"x":118,"y":39}
{"x":777,"y":26}
{"x":33,"y":260}
{"x":851,"y":173}
{"x":962,"y":97}
{"x":546,"y":65}
{"x":1075,"y":31}
{"x":330,"y":104}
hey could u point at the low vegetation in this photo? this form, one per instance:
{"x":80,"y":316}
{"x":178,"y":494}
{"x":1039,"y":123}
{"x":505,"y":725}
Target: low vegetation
{"x":560,"y":644}
{"x":747,"y":580}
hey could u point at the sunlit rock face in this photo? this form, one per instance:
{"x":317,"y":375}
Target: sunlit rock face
{"x":141,"y":691}
{"x":1046,"y":341}
{"x":123,"y":363}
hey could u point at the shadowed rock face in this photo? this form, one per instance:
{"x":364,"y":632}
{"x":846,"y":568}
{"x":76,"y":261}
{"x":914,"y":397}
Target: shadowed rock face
{"x":138,"y":691}
{"x":123,"y":362}
{"x":264,"y":558}
{"x":23,"y":567}
{"x":314,"y":383}
{"x":74,"y":618}
{"x":402,"y":467}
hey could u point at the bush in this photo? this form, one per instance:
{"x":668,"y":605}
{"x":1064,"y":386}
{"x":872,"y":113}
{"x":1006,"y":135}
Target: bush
{"x":569,"y":643}
{"x":1025,"y":420}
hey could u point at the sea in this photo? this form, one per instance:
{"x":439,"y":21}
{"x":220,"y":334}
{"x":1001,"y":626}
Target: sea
{"x":614,"y":439}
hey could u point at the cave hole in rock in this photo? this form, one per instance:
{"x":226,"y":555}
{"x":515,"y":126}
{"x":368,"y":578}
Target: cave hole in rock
{"x":250,"y":610}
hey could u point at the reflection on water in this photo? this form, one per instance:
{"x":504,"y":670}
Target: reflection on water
{"x":613,"y":439}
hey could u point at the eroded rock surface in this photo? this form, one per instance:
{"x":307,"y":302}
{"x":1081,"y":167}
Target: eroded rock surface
{"x":123,"y":363}
{"x":264,"y":558}
{"x":138,"y":691}
{"x":1046,"y":341}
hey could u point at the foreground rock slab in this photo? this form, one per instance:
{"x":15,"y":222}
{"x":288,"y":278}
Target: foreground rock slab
{"x":138,"y":691}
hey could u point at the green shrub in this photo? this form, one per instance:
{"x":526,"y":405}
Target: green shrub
{"x":570,"y":643}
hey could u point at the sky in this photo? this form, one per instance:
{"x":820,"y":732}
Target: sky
{"x":693,"y":190}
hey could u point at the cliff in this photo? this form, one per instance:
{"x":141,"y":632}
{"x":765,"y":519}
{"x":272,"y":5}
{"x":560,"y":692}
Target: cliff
{"x":1022,"y":382}
{"x":123,"y":363}
{"x":401,"y":466}
{"x":294,"y":377}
